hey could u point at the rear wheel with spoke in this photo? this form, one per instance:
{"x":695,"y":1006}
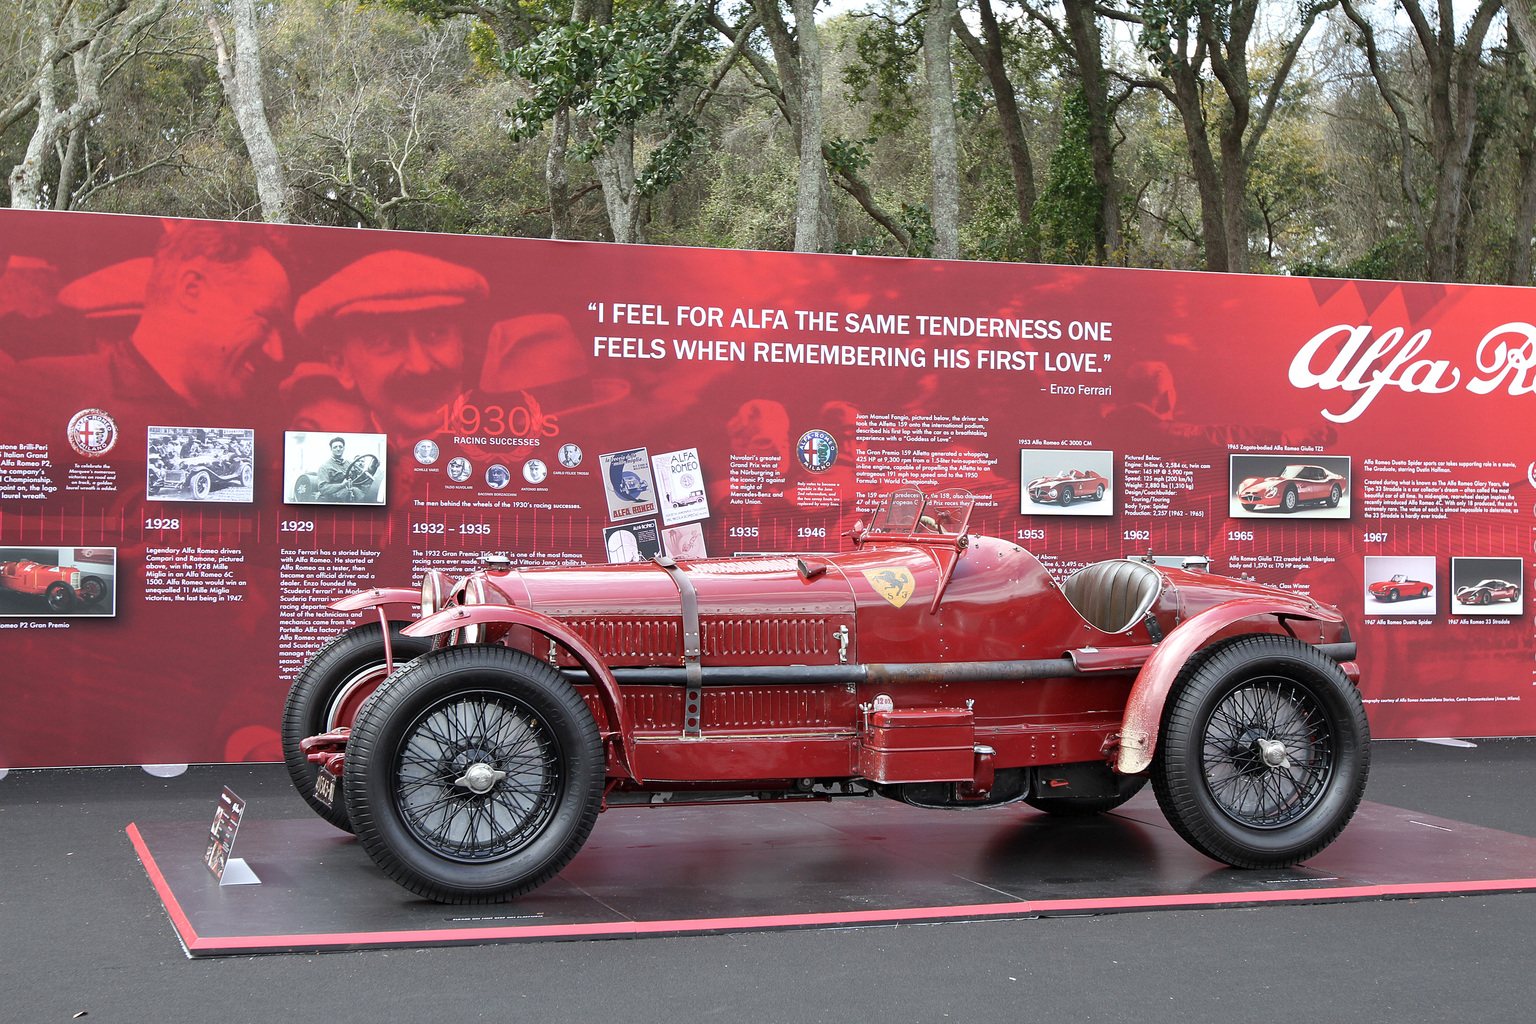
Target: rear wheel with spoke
{"x":326,"y":695}
{"x":1264,"y":752}
{"x":475,"y":776}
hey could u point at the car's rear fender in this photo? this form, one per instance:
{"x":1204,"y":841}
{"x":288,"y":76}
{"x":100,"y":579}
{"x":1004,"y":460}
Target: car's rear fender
{"x":1144,"y":707}
{"x":620,"y":730}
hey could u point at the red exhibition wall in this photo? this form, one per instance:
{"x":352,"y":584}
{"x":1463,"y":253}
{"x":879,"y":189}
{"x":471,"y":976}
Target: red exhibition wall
{"x":198,"y":523}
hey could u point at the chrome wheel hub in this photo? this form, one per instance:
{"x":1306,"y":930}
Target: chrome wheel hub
{"x":1272,"y":753}
{"x":479,"y":778}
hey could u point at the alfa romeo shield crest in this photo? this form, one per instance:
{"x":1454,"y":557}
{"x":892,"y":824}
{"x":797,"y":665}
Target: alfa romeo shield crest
{"x":92,"y":432}
{"x":817,"y":450}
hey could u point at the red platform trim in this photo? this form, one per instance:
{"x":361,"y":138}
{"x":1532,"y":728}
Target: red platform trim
{"x":1013,"y":909}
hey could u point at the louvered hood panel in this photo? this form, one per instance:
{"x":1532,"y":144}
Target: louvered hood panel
{"x":752,"y":611}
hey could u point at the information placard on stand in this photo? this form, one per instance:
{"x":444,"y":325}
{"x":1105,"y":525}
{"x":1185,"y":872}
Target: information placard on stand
{"x":221,"y":843}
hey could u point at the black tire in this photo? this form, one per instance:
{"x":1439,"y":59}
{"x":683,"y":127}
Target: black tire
{"x":60,"y":596}
{"x":417,"y":745}
{"x":1335,"y":496}
{"x":1082,"y":807}
{"x":1098,"y":493}
{"x":327,"y":693}
{"x":1222,"y":791}
{"x":1393,"y":595}
{"x":92,"y":589}
{"x":202,"y":484}
{"x":1065,"y":498}
{"x":1289,"y":501}
{"x":1486,"y":597}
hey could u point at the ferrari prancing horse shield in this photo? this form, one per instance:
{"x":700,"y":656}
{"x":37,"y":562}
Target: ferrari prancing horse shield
{"x":895,"y":585}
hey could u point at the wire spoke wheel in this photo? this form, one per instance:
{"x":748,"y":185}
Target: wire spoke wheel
{"x":475,"y":774}
{"x":1263,"y":753}
{"x":327,"y":694}
{"x":1268,"y":753}
{"x":478,"y":777}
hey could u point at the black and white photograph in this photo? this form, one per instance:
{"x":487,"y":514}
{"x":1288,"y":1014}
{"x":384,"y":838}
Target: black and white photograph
{"x":50,"y":582}
{"x":1294,"y":486}
{"x":627,"y":484}
{"x":497,"y":476}
{"x":459,"y":469}
{"x":1400,"y":585}
{"x":680,"y":485}
{"x":333,"y":469}
{"x":1066,"y":482}
{"x":632,"y":542}
{"x":200,"y":464}
{"x":1488,"y":586}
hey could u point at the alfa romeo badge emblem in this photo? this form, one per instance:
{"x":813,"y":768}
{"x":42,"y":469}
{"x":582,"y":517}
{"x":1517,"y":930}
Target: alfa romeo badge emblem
{"x":817,"y":450}
{"x":92,"y":432}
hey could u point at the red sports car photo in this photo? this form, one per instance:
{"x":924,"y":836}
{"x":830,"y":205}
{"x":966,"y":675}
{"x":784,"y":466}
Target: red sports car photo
{"x":1293,"y":487}
{"x":1399,"y":587}
{"x":1066,"y":487}
{"x":472,"y":749}
{"x":1488,"y":591}
{"x":61,"y":586}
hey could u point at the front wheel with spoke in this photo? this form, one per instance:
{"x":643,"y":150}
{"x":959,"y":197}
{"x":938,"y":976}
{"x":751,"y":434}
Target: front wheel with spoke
{"x":1264,"y":752}
{"x":475,"y":776}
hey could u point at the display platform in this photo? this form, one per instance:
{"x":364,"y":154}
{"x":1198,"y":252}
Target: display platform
{"x":669,"y":870}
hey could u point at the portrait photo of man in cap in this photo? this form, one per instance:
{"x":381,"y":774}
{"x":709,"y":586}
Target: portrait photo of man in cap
{"x":208,"y":340}
{"x":395,"y":328}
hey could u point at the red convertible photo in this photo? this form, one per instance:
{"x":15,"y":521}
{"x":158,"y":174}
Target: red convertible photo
{"x":1399,"y":587}
{"x":472,"y":749}
{"x":61,"y":586}
{"x":1293,"y":487}
{"x":1066,"y":487}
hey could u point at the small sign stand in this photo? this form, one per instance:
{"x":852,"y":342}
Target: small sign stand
{"x":221,"y":842}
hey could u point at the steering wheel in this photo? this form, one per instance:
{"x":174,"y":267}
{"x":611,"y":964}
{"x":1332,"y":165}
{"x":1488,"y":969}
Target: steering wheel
{"x":361,"y":469}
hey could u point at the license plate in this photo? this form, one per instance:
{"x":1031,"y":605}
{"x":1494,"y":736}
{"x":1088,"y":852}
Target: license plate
{"x":325,"y":788}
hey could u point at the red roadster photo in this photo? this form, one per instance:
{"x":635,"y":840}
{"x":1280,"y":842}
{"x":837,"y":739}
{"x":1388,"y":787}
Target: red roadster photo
{"x":472,"y":749}
{"x":60,"y":586}
{"x":1066,"y":487}
{"x":1399,"y":587}
{"x":1293,"y":487}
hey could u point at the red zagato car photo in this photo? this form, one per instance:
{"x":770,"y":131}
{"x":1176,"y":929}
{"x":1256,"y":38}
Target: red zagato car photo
{"x":472,"y":748}
{"x":1294,"y":487}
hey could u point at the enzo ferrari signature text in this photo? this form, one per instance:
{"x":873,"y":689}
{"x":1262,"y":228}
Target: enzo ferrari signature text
{"x":1389,"y":361}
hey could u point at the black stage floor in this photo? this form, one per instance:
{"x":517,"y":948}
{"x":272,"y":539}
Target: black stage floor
{"x":83,"y":935}
{"x":650,"y":871}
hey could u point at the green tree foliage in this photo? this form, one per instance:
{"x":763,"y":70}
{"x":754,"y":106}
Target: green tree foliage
{"x":1067,"y":215}
{"x":612,"y":76}
{"x":480,"y":117}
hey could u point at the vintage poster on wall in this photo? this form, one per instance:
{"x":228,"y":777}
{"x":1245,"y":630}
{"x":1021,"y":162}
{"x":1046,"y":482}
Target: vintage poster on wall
{"x":205,"y":472}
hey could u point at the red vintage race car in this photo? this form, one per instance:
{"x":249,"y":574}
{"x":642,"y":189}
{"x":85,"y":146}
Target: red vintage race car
{"x":1399,"y":587}
{"x":60,"y":585}
{"x":475,"y":746}
{"x":1294,"y":487}
{"x":1066,"y":487}
{"x":1488,"y":591}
